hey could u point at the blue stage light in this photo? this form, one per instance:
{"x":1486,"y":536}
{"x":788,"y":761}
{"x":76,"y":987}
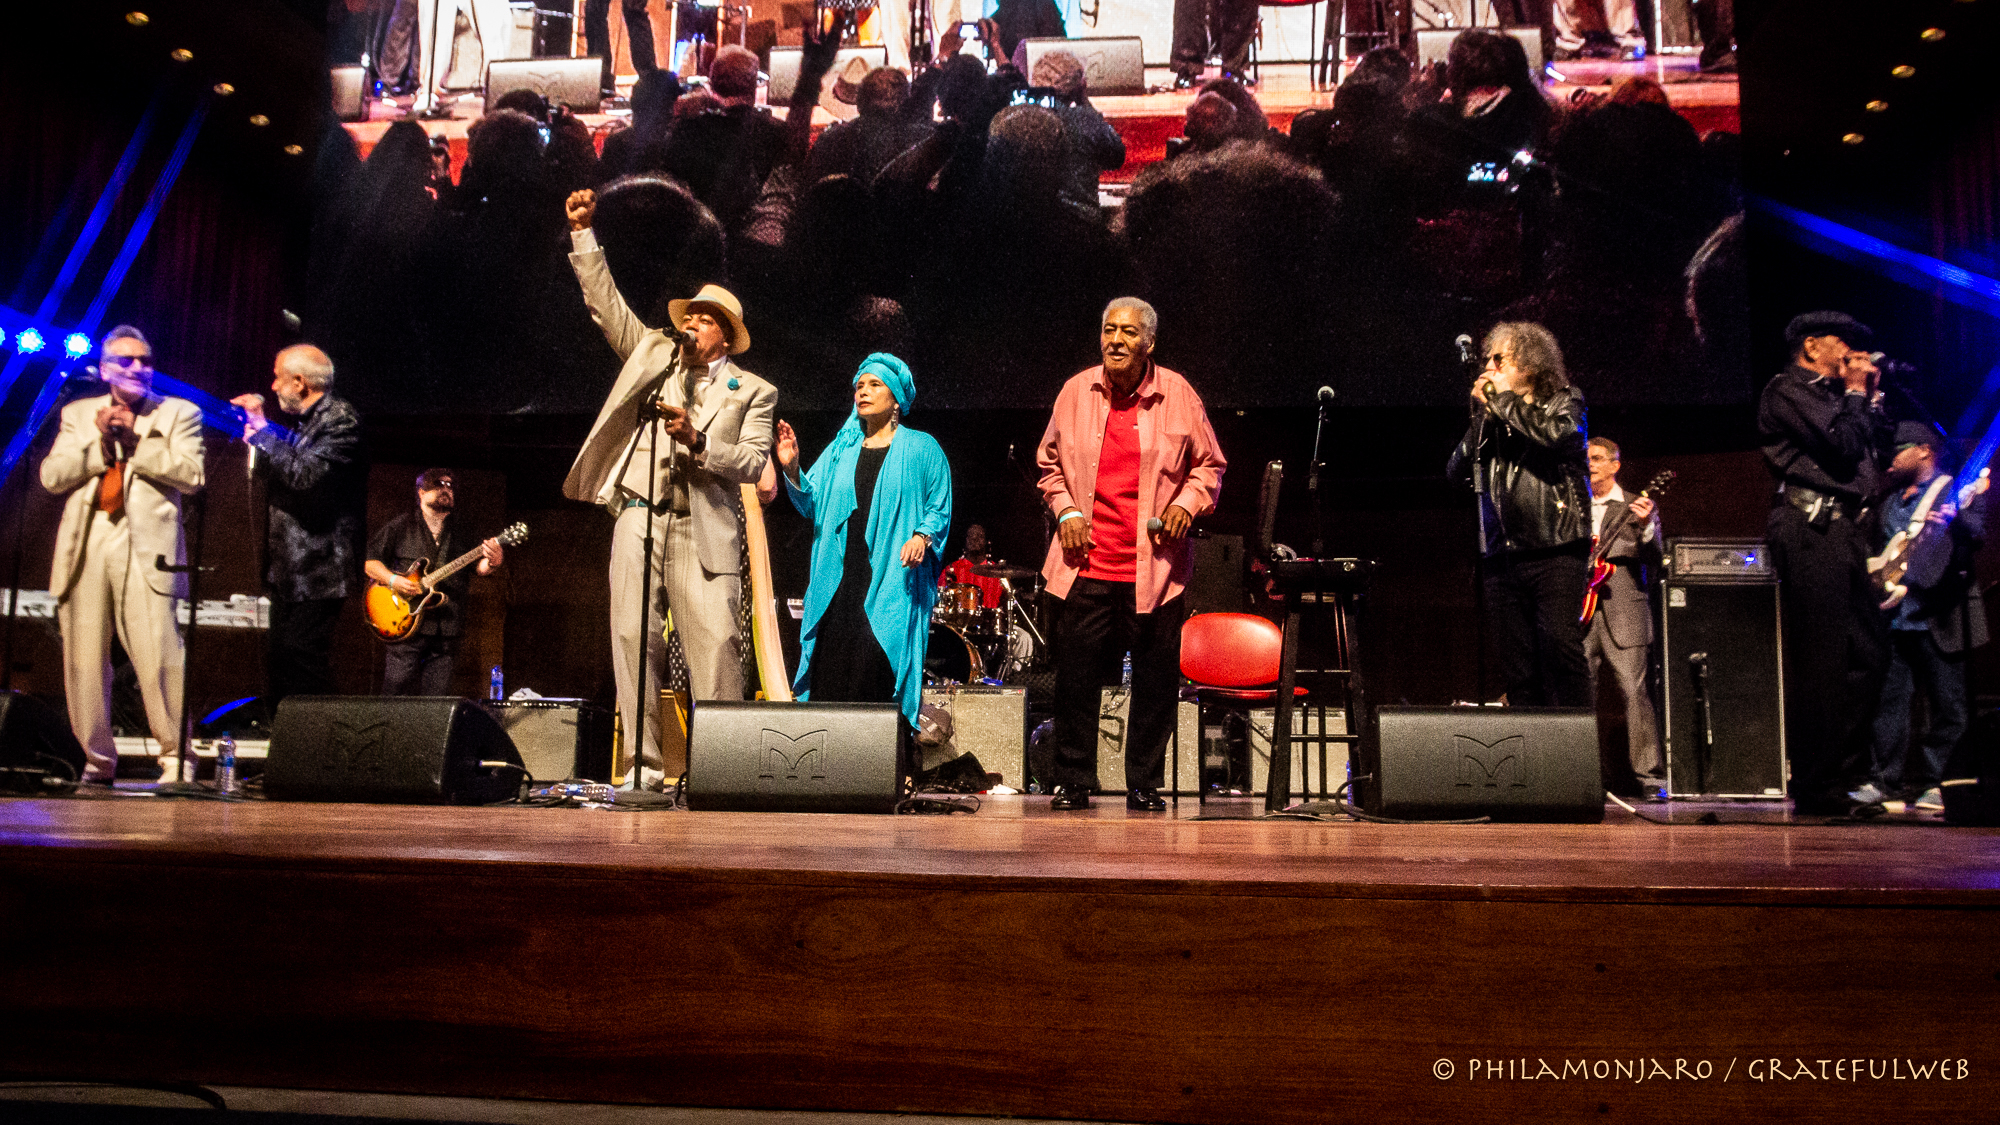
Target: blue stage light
{"x":77,"y":345}
{"x":29,"y":341}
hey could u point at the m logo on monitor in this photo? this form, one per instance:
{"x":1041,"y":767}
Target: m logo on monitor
{"x":1499,"y":765}
{"x":358,"y":748}
{"x":786,"y":762}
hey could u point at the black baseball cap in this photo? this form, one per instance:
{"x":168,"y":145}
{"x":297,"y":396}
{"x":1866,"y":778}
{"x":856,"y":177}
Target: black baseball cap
{"x":1909,"y":431}
{"x":1826,"y":322}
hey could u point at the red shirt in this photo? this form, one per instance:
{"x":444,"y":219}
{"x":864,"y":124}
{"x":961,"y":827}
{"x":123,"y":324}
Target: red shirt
{"x":1114,"y":517}
{"x":960,"y":573}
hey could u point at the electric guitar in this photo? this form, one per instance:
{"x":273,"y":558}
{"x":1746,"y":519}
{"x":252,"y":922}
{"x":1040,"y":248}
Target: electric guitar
{"x":1889,"y":567}
{"x":1601,"y":568}
{"x":393,"y":617}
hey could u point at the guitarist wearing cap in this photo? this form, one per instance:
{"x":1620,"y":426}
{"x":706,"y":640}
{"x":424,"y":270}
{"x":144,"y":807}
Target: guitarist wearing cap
{"x":422,"y":663}
{"x":1620,"y":632}
{"x":1935,"y":617}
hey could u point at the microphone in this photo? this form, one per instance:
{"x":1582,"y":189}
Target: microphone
{"x":1155,"y":524}
{"x":1464,"y":343}
{"x":1326,"y":396}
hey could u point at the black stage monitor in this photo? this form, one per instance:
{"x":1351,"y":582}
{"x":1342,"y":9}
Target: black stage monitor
{"x":1531,"y":764}
{"x":1113,"y":66}
{"x":410,"y":750}
{"x":795,"y":757}
{"x":570,"y":82}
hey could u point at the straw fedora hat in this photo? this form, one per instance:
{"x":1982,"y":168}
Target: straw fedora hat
{"x":716,"y":299}
{"x":847,"y":84}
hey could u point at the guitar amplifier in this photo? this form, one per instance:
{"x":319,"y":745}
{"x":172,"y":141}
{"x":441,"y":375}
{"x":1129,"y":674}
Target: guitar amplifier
{"x":558,"y":739}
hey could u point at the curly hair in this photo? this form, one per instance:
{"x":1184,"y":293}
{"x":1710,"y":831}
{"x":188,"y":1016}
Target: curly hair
{"x":1534,"y":351}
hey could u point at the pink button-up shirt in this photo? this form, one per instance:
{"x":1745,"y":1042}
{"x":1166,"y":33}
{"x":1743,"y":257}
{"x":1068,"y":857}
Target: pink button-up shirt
{"x":1179,"y":463}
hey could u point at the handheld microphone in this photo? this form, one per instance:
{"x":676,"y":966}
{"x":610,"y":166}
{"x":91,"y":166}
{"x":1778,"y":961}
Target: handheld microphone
{"x":1155,"y":524}
{"x":1326,"y":396}
{"x":1464,"y":343}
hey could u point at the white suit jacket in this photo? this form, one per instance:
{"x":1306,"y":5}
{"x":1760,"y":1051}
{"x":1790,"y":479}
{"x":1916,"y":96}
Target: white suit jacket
{"x":737,"y":420}
{"x":166,"y":464}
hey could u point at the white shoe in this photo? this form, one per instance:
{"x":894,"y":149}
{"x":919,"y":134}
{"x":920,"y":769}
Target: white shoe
{"x":1931,"y":799}
{"x":169,"y":770}
{"x":1868,"y":794}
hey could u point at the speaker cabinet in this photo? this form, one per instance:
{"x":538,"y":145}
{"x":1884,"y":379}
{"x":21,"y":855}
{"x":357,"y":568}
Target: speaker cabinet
{"x":353,"y":91}
{"x":558,"y":738}
{"x":1730,"y":632}
{"x":1113,"y":65}
{"x":1434,"y":45}
{"x":795,"y":757}
{"x":1525,"y":764}
{"x":37,"y":750}
{"x":410,"y":750}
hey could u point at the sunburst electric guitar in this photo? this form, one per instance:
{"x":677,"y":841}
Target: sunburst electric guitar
{"x":1600,"y":545}
{"x":394,"y":617}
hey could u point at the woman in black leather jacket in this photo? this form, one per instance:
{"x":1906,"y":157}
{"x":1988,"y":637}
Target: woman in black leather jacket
{"x":1524,"y":450}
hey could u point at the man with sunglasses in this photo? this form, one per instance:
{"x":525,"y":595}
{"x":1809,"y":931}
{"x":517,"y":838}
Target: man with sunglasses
{"x":1526,"y":443}
{"x":125,"y":458}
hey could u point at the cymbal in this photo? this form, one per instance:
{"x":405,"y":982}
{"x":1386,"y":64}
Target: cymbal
{"x":1002,"y":570}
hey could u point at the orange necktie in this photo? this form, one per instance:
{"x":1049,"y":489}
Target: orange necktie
{"x":111,"y":489}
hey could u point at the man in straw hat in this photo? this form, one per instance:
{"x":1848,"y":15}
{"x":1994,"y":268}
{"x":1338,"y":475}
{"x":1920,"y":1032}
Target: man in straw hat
{"x":712,"y":420}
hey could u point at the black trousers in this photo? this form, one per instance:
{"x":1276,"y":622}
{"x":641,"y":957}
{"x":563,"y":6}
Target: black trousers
{"x":1836,"y":651}
{"x":638,"y":35}
{"x":421,"y":665}
{"x":1227,"y":25}
{"x":1532,"y":602}
{"x":298,"y":652}
{"x":1096,"y":626}
{"x":1716,"y":21}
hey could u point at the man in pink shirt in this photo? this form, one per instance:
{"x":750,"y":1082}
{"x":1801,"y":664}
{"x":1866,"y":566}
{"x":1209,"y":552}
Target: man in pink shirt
{"x":1127,"y":462}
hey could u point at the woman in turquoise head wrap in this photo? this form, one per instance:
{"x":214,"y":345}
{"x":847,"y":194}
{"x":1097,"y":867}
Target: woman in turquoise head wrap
{"x":879,"y":499}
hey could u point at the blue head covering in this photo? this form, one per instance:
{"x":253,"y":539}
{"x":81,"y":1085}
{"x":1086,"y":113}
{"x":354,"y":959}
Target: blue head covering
{"x":895,"y":374}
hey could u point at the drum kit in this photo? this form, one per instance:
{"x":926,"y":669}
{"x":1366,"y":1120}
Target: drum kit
{"x":972,"y":642}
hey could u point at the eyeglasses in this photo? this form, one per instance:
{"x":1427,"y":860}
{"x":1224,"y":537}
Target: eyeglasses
{"x":126,"y":361}
{"x":1497,"y":359}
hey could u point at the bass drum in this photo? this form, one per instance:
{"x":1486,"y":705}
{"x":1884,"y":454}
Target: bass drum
{"x":949,"y":658}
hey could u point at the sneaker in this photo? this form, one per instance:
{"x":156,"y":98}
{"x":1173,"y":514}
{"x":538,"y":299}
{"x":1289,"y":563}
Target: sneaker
{"x":1868,"y":794}
{"x":1931,"y":799}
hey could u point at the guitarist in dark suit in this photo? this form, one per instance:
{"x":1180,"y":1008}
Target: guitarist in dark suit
{"x":1621,"y":631}
{"x":422,"y":664}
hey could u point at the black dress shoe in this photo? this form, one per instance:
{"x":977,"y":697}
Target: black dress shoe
{"x":1069,"y":798}
{"x":1145,"y":800}
{"x":1838,"y":805}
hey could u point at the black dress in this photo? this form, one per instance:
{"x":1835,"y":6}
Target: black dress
{"x":848,"y":664}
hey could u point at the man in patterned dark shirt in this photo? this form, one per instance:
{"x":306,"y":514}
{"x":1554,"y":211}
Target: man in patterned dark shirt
{"x":317,"y":484}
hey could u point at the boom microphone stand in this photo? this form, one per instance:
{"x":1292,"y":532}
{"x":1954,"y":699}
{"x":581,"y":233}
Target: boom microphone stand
{"x":649,"y":413}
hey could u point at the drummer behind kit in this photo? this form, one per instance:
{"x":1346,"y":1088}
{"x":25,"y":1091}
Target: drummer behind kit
{"x":973,"y":642}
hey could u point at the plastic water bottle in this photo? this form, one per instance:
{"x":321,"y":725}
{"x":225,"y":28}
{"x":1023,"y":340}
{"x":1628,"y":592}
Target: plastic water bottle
{"x":225,"y":765}
{"x":1126,"y":679}
{"x":496,"y":686}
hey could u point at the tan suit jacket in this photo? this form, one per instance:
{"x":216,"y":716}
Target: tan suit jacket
{"x":166,"y":464}
{"x":737,"y":420}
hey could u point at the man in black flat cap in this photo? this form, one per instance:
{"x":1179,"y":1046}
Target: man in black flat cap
{"x":1824,"y":438}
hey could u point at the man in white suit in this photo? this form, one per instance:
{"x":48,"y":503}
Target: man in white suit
{"x":126,"y":458}
{"x":714,"y":422}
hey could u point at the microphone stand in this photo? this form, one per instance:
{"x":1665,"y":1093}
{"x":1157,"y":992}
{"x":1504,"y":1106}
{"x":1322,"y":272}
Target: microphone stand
{"x":649,"y":413}
{"x":1479,"y":552}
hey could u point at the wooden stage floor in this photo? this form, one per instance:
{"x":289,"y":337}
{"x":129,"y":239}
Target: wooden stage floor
{"x":1146,"y":121}
{"x":1010,"y":963}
